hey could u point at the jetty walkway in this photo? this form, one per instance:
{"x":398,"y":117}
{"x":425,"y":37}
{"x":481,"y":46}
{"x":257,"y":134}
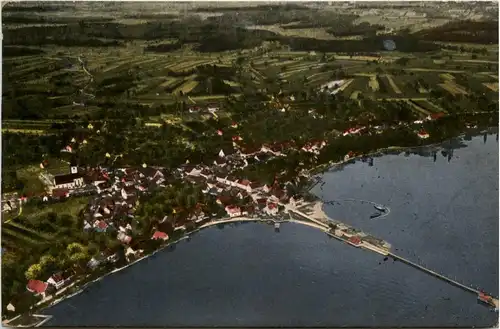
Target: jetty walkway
{"x":442,"y":277}
{"x":366,"y":245}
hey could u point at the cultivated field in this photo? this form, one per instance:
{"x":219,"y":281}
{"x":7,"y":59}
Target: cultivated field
{"x":493,"y":86}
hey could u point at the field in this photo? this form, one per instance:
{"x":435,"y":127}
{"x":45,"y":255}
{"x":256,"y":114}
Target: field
{"x":160,"y":78}
{"x":453,"y":88}
{"x":418,"y":108}
{"x":16,"y":234}
{"x":493,"y":86}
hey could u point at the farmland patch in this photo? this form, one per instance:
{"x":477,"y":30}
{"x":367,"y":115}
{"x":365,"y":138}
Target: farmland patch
{"x":393,"y":84}
{"x":446,"y":76}
{"x":492,"y":86}
{"x":418,"y":109}
{"x":186,"y":87}
{"x":453,"y":88}
{"x":432,"y":107}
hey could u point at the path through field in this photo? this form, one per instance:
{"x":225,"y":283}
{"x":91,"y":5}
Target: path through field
{"x":393,"y":84}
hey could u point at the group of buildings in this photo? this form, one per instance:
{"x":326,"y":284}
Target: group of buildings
{"x":118,"y":191}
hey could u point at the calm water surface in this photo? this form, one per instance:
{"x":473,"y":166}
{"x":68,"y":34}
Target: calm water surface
{"x":445,"y":213}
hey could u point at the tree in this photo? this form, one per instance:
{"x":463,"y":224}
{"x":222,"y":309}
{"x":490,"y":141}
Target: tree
{"x":66,"y":220}
{"x":402,"y":61}
{"x":34,"y":272}
{"x":75,"y":248}
{"x":79,"y":259}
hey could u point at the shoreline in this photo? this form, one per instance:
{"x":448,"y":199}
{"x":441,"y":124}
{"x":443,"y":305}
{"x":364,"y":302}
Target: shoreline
{"x":318,"y":210}
{"x":316,"y":205}
{"x":383,"y":151}
{"x":47,"y":317}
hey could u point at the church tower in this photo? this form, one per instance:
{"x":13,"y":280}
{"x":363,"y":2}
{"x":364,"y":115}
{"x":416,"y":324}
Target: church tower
{"x":73,"y":167}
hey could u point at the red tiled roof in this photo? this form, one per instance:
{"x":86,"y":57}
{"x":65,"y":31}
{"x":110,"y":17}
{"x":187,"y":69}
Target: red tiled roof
{"x":255,"y":184}
{"x":102,"y":225}
{"x":437,"y":115}
{"x":245,"y":182}
{"x":355,"y":239}
{"x":159,"y":235}
{"x":233,"y":209}
{"x":36,"y":286}
{"x":224,"y":199}
{"x":60,"y":192}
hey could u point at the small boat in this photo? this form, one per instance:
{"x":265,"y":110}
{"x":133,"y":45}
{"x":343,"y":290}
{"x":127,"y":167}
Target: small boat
{"x":375,"y":215}
{"x":380,"y":207}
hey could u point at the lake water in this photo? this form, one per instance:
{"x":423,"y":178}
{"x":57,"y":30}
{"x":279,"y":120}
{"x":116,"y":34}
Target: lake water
{"x":445,"y":213}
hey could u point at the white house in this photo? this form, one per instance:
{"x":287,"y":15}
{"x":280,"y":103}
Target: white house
{"x":271,"y":209}
{"x":57,"y":280}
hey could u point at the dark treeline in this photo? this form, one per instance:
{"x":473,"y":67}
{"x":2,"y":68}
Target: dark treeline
{"x":288,"y":6}
{"x":296,"y":18}
{"x":22,"y":149}
{"x":152,"y":16}
{"x":68,"y":35}
{"x":237,"y":38}
{"x":463,"y":31}
{"x":164,"y":47}
{"x":25,"y":19}
{"x":360,"y":29}
{"x":369,"y":44}
{"x":217,"y":35}
{"x":20,"y":51}
{"x":30,"y":7}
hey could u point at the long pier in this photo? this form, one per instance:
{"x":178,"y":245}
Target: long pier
{"x":384,"y":252}
{"x":435,"y":274}
{"x":442,"y":277}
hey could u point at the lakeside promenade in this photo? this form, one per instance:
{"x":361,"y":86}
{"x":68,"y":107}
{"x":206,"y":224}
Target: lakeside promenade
{"x":314,"y":217}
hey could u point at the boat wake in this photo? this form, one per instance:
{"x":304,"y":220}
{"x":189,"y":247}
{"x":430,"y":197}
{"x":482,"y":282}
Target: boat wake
{"x":383,"y":211}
